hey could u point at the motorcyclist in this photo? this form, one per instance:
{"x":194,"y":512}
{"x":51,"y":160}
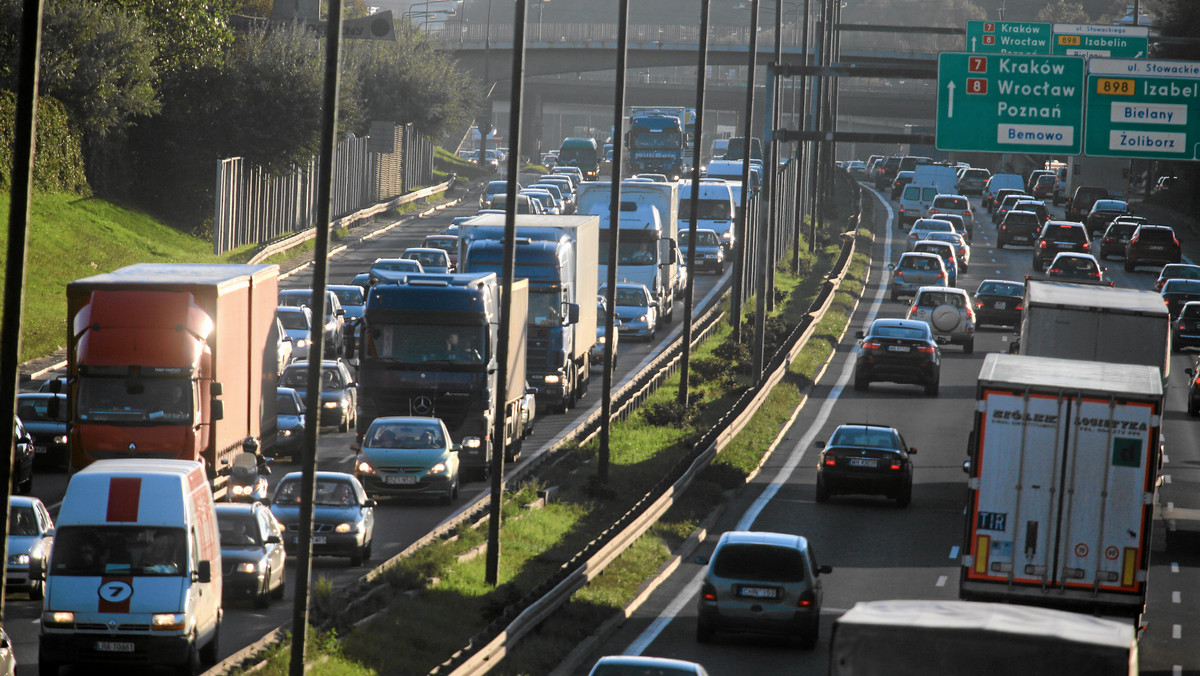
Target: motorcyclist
{"x":251,"y":445}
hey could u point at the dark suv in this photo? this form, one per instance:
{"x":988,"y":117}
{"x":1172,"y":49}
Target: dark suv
{"x":1083,"y":199}
{"x":1114,"y":239}
{"x":1018,"y":227}
{"x":1057,"y":237}
{"x":1151,"y":245}
{"x":886,"y":172}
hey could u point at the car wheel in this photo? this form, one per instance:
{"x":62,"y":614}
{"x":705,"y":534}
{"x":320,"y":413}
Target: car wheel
{"x":1193,"y":407}
{"x":808,"y":640}
{"x":282,"y":588}
{"x":344,"y":425}
{"x":932,"y":389}
{"x":264,"y":596}
{"x":1129,"y":265}
{"x":367,"y":550}
{"x":37,"y":590}
{"x":211,"y":653}
{"x":704,"y":632}
{"x":969,"y":346}
{"x":904,"y":497}
{"x":822,"y":489}
{"x":861,"y":382}
{"x":356,"y":558}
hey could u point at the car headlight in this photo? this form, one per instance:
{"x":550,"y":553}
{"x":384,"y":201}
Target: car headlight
{"x":602,"y":340}
{"x":300,"y":342}
{"x":61,"y":619}
{"x":363,"y":467}
{"x":346,"y":527}
{"x":472,"y":442}
{"x":61,"y":439}
{"x":331,"y":404}
{"x":248,"y":567}
{"x":241,"y":490}
{"x":168,"y":622}
{"x":552,"y":379}
{"x":439,"y":468}
{"x":18,"y":559}
{"x":642,"y":318}
{"x":285,"y":433}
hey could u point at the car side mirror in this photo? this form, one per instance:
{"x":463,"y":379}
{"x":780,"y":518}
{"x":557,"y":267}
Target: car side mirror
{"x":273,"y":540}
{"x":216,"y":389}
{"x":286,"y":338}
{"x":859,"y":334}
{"x":824,"y":570}
{"x":702,"y":559}
{"x":967,"y":466}
{"x":912,"y":451}
{"x":891,"y":266}
{"x":369,"y":503}
{"x":456,"y":448}
{"x":204,"y":572}
{"x":572,"y":313}
{"x":217,"y":410}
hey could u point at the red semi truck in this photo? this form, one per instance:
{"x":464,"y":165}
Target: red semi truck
{"x":172,"y":361}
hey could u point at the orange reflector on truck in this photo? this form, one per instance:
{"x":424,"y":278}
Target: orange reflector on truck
{"x":1129,"y":567}
{"x":982,"y":545}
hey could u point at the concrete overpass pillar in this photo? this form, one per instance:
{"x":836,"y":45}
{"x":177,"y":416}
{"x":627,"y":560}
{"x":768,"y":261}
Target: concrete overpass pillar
{"x":531,"y":126}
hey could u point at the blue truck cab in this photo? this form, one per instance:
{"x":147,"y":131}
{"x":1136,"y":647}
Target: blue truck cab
{"x":657,"y":144}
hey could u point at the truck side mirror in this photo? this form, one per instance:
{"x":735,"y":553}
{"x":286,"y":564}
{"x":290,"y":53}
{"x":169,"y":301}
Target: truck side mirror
{"x":217,"y":410}
{"x":572,"y":313}
{"x":215,"y":389}
{"x":204,"y":572}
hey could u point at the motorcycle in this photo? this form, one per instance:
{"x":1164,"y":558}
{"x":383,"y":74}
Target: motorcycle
{"x":248,"y":479}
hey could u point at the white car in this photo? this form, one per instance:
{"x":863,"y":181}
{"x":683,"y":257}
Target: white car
{"x":949,"y":314}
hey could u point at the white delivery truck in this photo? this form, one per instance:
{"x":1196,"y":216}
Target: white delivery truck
{"x":135,"y":573}
{"x":715,"y":208}
{"x":941,"y":176}
{"x":1096,"y":323}
{"x":649,"y":233}
{"x":911,"y":637}
{"x":1063,"y":465}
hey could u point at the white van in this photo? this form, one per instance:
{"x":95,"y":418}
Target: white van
{"x":914,"y":203}
{"x":997,"y":183}
{"x":135,"y":573}
{"x":940,"y":176}
{"x":714,"y":210}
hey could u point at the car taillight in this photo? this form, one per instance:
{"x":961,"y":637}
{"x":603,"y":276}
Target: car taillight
{"x":1133,"y":240}
{"x":807,"y":598}
{"x":941,"y":275}
{"x":708,"y":592}
{"x":1175,"y":239}
{"x":926,"y":349}
{"x":1042,"y":244}
{"x":895,"y":465}
{"x":1053,"y":271}
{"x":1086,"y":246}
{"x":830,"y":459}
{"x":1181,"y":327}
{"x":912,"y":309}
{"x":1020,"y":306}
{"x":871,"y":345}
{"x":978,"y":305}
{"x":966,"y":213}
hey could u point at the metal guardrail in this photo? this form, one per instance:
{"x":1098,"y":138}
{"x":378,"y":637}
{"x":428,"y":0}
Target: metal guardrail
{"x":503,"y":634}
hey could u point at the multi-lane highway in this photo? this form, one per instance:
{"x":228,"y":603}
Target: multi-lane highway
{"x":880,"y":552}
{"x":397,"y":524}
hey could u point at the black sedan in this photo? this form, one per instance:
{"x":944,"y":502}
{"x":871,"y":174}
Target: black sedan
{"x":999,"y":301}
{"x":289,"y":411}
{"x":865,"y":459}
{"x":252,"y":554}
{"x":1176,"y":292}
{"x":45,"y":418}
{"x":898,"y":351}
{"x":1104,"y":212}
{"x":22,"y":461}
{"x":339,"y":393}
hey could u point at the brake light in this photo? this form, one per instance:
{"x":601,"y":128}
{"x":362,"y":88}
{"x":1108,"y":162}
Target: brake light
{"x":830,"y":459}
{"x":966,"y":213}
{"x":926,"y":349}
{"x":1042,"y":244}
{"x":806,"y":599}
{"x":871,"y":345}
{"x":1054,"y":271}
{"x":1086,"y":246}
{"x":941,"y":275}
{"x":1020,"y":306}
{"x":900,"y":274}
{"x":1181,"y":327}
{"x":708,"y":593}
{"x":912,"y":309}
{"x":895,"y":465}
{"x":978,"y":305}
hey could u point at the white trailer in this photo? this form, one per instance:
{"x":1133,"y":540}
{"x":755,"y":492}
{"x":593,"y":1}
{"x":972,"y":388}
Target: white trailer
{"x":1064,"y":461}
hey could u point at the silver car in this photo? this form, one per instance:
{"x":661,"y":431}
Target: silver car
{"x":30,"y":538}
{"x":764,"y":583}
{"x":949,"y":314}
{"x":914,"y":270}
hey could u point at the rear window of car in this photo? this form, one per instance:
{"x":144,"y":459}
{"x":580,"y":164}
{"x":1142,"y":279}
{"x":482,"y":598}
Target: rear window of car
{"x":943,"y":249}
{"x":1190,"y":311}
{"x":976,"y":173}
{"x":1109,"y":205}
{"x":863,"y":436}
{"x":936,"y":298}
{"x":1000,"y":289}
{"x":1156,"y":235}
{"x":1182,"y":286}
{"x":1020,"y":218}
{"x":764,"y":563}
{"x":908,"y":332}
{"x":919,"y":263}
{"x":1065,"y":232}
{"x":951,"y":203}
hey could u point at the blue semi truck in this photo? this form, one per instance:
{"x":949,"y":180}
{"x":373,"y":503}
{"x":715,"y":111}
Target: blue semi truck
{"x":429,"y":347}
{"x":558,"y":255}
{"x":658,"y":142}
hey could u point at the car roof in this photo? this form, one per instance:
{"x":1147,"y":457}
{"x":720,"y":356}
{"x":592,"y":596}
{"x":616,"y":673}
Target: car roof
{"x":920,"y":254}
{"x":424,"y":249}
{"x":902,"y":323}
{"x":866,"y":426}
{"x":1072,"y":254}
{"x":235,"y":507}
{"x":941,"y":289}
{"x":1002,"y":281}
{"x":23,"y":500}
{"x":763,"y":538}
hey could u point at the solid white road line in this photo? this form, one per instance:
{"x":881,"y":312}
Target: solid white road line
{"x":689,"y":591}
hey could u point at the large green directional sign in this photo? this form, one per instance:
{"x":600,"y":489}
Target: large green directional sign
{"x":1138,"y":108}
{"x":1008,"y":37}
{"x":1118,"y":42}
{"x":1010,"y":103}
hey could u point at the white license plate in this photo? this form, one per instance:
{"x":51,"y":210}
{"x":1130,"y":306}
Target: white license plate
{"x":759,"y":592}
{"x":114,"y":646}
{"x":399,"y":479}
{"x":1154,"y":248}
{"x":862,"y":462}
{"x":39,"y":449}
{"x":1020,"y":239}
{"x":1000,"y":305}
{"x":899,"y":348}
{"x":318,"y":539}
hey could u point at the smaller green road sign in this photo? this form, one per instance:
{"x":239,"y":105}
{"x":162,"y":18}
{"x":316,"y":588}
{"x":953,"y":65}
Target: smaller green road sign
{"x":1010,"y":103}
{"x":1118,"y":42}
{"x":1008,"y":37}
{"x":1148,"y":109}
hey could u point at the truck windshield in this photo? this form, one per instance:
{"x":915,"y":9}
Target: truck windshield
{"x":419,"y":343}
{"x":545,"y":307}
{"x":163,"y":401}
{"x":577,"y":156}
{"x":93,"y":551}
{"x":707,"y":210}
{"x":630,"y":251}
{"x":654,"y":139}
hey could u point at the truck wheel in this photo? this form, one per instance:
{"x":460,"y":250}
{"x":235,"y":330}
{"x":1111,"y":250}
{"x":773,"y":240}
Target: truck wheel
{"x":191,"y":663}
{"x":211,"y":653}
{"x":1193,"y":408}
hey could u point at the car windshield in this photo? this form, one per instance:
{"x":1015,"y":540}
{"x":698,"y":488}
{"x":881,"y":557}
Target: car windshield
{"x":331,"y":492}
{"x":1001,"y":289}
{"x":286,"y":405}
{"x":296,"y":377}
{"x":133,"y":399}
{"x":351,"y":296}
{"x":706,"y":210}
{"x":631,"y":297}
{"x":294,"y":320}
{"x":702,"y":238}
{"x":238,"y":529}
{"x":408,"y":434}
{"x":762,"y":563}
{"x":22,"y":520}
{"x":95,"y":551}
{"x":415,"y":343}
{"x":38,"y":409}
{"x":428,"y":259}
{"x":863,"y":436}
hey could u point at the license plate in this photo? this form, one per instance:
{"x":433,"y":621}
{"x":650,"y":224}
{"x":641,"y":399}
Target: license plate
{"x":862,"y":462}
{"x":1018,"y":238}
{"x":1153,"y":247}
{"x":39,"y":449}
{"x":899,"y":348}
{"x":114,"y":646}
{"x":318,"y":539}
{"x":399,"y":479}
{"x":1000,"y":305}
{"x":759,"y":592}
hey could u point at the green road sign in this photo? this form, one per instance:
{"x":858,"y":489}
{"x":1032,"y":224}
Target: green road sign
{"x":1008,"y":37}
{"x":1117,"y":42}
{"x":1010,"y":103}
{"x":1138,"y":108}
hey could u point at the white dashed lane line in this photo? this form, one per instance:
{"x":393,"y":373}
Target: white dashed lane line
{"x":942,"y":580}
{"x":1176,"y":597}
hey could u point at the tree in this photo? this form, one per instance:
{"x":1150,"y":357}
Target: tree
{"x":189,"y":33}
{"x":1063,"y":11}
{"x":1179,"y":27}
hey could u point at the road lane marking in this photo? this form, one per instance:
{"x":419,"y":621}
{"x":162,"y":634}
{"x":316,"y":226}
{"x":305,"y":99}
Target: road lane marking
{"x":1177,"y":631}
{"x":1166,"y":478}
{"x":690,"y":590}
{"x":1170,"y":506}
{"x":1177,"y":670}
{"x":942,"y":580}
{"x":954,"y":552}
{"x":1174,"y":567}
{"x":348,"y":458}
{"x":1176,"y":597}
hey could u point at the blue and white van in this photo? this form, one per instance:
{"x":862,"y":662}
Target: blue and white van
{"x":135,"y":572}
{"x":714,"y":211}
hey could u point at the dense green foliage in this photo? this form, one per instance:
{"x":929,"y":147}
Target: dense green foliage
{"x":58,"y":166}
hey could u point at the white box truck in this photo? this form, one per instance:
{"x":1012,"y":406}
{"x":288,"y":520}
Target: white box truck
{"x":1096,"y":323}
{"x":906,"y":637}
{"x":1063,"y":465}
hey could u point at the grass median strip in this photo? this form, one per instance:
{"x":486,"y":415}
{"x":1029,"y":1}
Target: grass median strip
{"x":437,"y":599}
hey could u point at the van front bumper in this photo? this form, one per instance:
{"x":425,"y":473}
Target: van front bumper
{"x":103,"y":647}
